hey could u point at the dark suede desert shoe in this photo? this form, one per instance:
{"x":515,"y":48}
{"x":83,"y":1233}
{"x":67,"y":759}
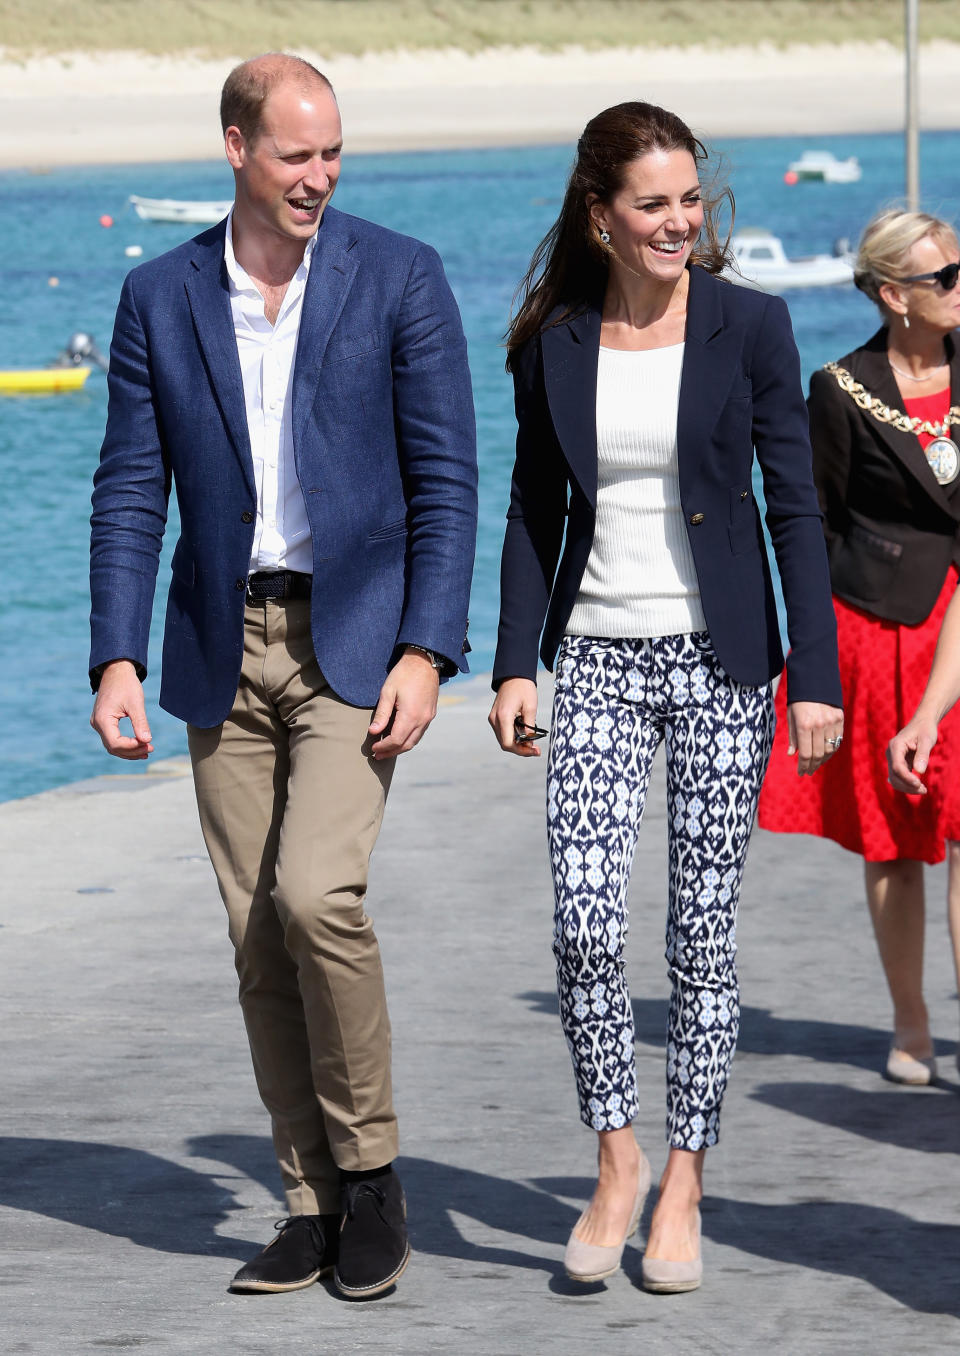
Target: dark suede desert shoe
{"x":374,"y":1250}
{"x":304,"y":1249}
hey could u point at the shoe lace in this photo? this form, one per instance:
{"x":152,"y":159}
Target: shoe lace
{"x":357,"y":1189}
{"x":313,"y":1224}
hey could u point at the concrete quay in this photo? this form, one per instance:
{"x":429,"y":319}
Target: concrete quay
{"x":136,"y":1170}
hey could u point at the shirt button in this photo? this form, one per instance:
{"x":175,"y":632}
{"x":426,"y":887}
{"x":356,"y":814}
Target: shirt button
{"x":240,"y":585}
{"x":696,"y":519}
{"x":246,"y":516}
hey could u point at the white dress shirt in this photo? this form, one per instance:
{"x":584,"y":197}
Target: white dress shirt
{"x":281,"y":539}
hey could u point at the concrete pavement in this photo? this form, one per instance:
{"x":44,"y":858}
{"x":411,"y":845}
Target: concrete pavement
{"x":136,"y":1170}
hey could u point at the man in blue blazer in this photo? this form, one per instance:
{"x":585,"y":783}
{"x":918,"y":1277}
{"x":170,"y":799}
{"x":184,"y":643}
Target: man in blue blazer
{"x":300,"y":376}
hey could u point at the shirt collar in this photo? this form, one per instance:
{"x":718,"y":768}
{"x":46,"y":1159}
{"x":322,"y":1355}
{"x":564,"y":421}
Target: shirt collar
{"x":240,"y":280}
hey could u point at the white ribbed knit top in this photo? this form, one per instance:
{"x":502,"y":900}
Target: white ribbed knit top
{"x":640,"y":578}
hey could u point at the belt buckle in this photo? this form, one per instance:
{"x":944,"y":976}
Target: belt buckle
{"x":252,"y":597}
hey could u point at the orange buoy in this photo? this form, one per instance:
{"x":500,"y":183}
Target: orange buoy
{"x":791,"y":177}
{"x":106,"y":220}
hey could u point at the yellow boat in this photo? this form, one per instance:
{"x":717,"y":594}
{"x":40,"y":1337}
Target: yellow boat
{"x":41,"y":380}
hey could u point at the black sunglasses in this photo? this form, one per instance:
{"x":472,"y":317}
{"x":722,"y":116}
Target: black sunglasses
{"x":526,"y":734}
{"x":946,"y":277}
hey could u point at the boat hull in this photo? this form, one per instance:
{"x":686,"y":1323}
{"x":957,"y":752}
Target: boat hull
{"x":826,"y":273}
{"x":179,"y":211}
{"x":42,"y":380}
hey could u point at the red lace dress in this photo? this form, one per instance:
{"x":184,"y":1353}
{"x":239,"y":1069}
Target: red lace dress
{"x":884,"y":668}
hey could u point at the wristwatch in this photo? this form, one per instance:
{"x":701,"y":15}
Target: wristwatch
{"x":435,"y":659}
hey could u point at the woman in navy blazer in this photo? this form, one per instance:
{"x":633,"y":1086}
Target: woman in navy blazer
{"x":634,"y":555}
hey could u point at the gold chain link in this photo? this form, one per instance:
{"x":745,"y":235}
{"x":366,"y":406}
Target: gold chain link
{"x":883,"y":413}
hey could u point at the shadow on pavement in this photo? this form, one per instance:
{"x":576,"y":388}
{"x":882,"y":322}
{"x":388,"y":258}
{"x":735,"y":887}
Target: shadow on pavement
{"x":913,"y":1262}
{"x":761,"y":1033}
{"x":908,"y":1118}
{"x":433,"y":1191}
{"x":161,"y":1205}
{"x":120,"y":1191}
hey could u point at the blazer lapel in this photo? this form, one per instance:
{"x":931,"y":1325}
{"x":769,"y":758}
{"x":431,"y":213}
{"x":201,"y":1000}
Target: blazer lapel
{"x":332,"y":271}
{"x":570,"y":354}
{"x":208,"y":292}
{"x":710,"y":358}
{"x":873,"y":371}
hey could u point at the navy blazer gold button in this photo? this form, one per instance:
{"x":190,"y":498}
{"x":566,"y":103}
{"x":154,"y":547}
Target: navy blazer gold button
{"x":246,"y":516}
{"x":696,"y":519}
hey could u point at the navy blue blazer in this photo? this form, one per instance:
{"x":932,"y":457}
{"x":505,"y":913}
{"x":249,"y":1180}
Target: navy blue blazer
{"x":385,"y":448}
{"x":740,"y":391}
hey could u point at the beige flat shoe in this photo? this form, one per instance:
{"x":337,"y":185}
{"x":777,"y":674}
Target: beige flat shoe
{"x":903,"y":1068}
{"x":588,"y":1262}
{"x":661,"y":1276}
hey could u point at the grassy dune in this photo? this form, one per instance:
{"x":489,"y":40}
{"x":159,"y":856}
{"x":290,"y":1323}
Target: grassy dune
{"x":219,"y":28}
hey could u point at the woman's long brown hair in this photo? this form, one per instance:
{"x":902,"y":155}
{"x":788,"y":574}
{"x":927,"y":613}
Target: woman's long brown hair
{"x":569,"y":267}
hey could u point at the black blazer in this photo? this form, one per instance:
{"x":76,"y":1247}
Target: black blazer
{"x":892,"y":530}
{"x":739,"y":390}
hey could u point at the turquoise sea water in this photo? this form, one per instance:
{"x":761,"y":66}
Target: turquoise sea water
{"x":484,"y":210}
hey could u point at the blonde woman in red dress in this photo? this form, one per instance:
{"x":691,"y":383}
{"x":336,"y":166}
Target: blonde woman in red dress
{"x":885,"y":425}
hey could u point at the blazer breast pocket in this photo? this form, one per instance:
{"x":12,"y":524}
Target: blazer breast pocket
{"x":342,"y":347}
{"x":734,"y":419}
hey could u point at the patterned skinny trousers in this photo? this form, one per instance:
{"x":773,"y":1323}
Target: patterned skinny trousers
{"x":614,"y":702}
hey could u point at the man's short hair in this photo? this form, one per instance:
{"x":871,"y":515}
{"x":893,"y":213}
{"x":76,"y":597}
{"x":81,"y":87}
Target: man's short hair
{"x":247,"y":87}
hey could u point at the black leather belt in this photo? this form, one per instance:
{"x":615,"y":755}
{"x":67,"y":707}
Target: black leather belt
{"x":278,"y":584}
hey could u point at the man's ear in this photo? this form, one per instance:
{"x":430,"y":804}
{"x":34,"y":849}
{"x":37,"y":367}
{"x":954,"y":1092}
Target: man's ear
{"x":235,"y":147}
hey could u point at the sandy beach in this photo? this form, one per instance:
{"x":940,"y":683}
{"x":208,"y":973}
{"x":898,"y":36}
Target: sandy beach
{"x":125,"y":107}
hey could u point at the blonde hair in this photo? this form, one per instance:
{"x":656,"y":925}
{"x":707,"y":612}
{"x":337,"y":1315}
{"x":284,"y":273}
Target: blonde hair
{"x":887,"y":240}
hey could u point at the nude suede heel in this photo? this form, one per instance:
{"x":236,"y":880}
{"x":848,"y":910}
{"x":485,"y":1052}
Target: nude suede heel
{"x":588,"y":1262}
{"x":661,"y":1276}
{"x":904,"y":1068}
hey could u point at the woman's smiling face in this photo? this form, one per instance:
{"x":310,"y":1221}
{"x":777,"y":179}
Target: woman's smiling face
{"x":655,"y":217}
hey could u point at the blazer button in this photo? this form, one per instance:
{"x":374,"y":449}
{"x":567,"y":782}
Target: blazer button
{"x":240,"y":585}
{"x":246,"y":516}
{"x":696,"y":519}
{"x":744,"y":495}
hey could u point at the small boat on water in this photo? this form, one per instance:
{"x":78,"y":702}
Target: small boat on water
{"x":180,"y":210}
{"x":761,"y":262}
{"x":68,"y":371}
{"x":824,"y":167}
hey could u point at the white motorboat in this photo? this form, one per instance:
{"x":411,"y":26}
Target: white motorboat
{"x":761,"y":262}
{"x":826,"y":168}
{"x":182,"y":211}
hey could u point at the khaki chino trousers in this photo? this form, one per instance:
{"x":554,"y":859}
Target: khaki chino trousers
{"x":291,"y":802}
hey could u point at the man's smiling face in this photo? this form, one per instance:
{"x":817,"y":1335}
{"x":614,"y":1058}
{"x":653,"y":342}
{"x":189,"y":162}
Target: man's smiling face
{"x":286,"y":176}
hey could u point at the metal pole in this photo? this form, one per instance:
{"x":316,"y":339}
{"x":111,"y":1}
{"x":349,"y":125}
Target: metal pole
{"x":912,"y":107}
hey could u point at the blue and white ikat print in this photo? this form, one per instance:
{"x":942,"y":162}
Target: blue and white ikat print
{"x":615,"y":702}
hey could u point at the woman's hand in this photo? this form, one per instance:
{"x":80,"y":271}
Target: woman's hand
{"x":909,"y":751}
{"x":815,"y":731}
{"x":908,"y":754}
{"x":515,"y":697}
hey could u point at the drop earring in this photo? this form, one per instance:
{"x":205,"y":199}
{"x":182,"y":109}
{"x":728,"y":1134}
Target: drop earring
{"x":604,"y":236}
{"x":906,"y":322}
